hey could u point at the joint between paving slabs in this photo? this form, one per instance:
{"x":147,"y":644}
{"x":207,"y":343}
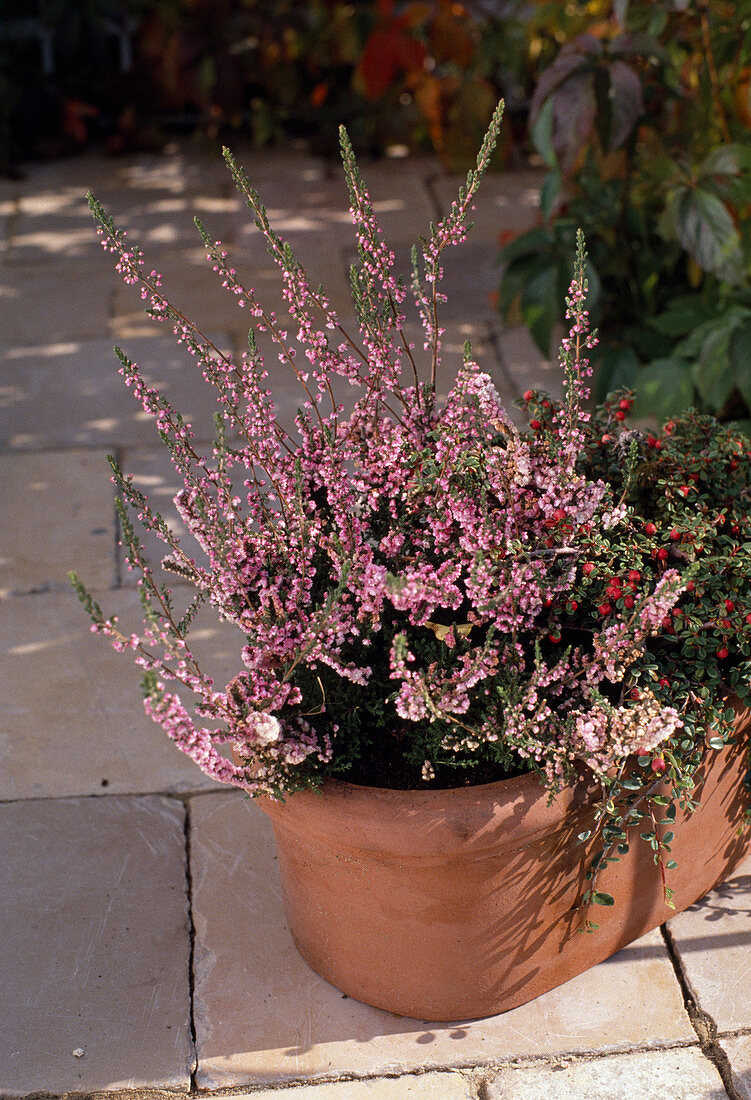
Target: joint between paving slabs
{"x":430,"y":188}
{"x":118,"y":571}
{"x":508,"y":385}
{"x":702,"y":1023}
{"x":191,"y":948}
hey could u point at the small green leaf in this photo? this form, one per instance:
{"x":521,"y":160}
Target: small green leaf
{"x":664,"y":389}
{"x":541,"y":134}
{"x":683,"y":316}
{"x":549,"y":192}
{"x":600,"y":898}
{"x":713,"y":373}
{"x":531,"y":243}
{"x":739,"y":353}
{"x":617,"y":369}
{"x":706,"y":229}
{"x":540,"y":304}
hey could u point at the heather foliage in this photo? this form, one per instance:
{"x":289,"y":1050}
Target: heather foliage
{"x":425,"y":594}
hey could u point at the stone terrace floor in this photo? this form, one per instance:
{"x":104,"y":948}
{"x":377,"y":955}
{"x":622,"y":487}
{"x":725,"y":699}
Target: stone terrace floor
{"x":144,"y":948}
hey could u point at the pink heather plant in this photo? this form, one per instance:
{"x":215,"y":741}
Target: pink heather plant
{"x":424,"y":594}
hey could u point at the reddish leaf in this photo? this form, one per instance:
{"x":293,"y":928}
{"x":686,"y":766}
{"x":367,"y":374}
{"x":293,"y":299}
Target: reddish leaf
{"x":575,"y":55}
{"x":574,"y":112}
{"x":388,"y":53}
{"x":627,"y":104}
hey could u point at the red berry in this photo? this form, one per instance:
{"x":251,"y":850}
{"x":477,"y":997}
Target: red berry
{"x":635,"y":693}
{"x":616,"y":581}
{"x":650,"y":529}
{"x":734,"y":464}
{"x":748,"y":618}
{"x":658,"y":764}
{"x":675,"y":534}
{"x":574,"y":604}
{"x":625,"y":404}
{"x":607,"y":438}
{"x":546,"y":404}
{"x":651,"y":441}
{"x":662,"y":554}
{"x":690,"y":586}
{"x":620,"y":415}
{"x":667,"y":622}
{"x":613,"y":592}
{"x":559,"y":514}
{"x":729,"y":605}
{"x":605,"y":609}
{"x":628,"y":602}
{"x":722,"y":652}
{"x":554,"y":637}
{"x":664,"y":682}
{"x":535,"y":425}
{"x":587,"y":568}
{"x":528,"y":395}
{"x":634,"y":576}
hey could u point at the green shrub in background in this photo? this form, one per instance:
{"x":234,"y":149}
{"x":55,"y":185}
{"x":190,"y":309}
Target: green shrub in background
{"x":643,"y":119}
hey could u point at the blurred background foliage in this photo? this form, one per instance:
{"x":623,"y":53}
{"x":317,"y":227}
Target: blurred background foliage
{"x":639,"y":110}
{"x":423,"y":75}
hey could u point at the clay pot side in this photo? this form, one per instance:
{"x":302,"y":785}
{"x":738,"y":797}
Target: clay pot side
{"x":456,"y":904}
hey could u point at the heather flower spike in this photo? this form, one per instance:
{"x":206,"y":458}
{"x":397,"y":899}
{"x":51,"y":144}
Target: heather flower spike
{"x":425,"y":592}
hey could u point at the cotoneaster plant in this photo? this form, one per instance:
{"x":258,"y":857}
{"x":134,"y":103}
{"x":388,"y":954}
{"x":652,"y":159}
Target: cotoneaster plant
{"x":426,"y":595}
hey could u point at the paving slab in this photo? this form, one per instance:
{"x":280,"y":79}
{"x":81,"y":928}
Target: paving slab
{"x":738,"y":1050}
{"x":523,"y":363}
{"x":713,"y":939}
{"x":60,"y":508}
{"x":197,"y":292}
{"x":65,"y":301}
{"x":683,"y":1074}
{"x":506,"y":201}
{"x":96,"y":946}
{"x":302,"y":209}
{"x":74,"y":719}
{"x":264,"y":1017}
{"x":50,"y":222}
{"x":427,"y":1086}
{"x":69,"y":393}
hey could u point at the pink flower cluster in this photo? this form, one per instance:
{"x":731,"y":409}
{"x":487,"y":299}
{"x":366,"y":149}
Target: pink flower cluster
{"x":404,"y":547}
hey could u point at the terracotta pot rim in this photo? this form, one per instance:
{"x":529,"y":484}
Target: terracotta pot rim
{"x":421,"y":823}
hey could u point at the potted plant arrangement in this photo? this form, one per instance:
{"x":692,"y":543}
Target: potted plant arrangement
{"x":485,"y":673}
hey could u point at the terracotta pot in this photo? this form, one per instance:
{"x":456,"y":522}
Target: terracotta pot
{"x":455,"y":904}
